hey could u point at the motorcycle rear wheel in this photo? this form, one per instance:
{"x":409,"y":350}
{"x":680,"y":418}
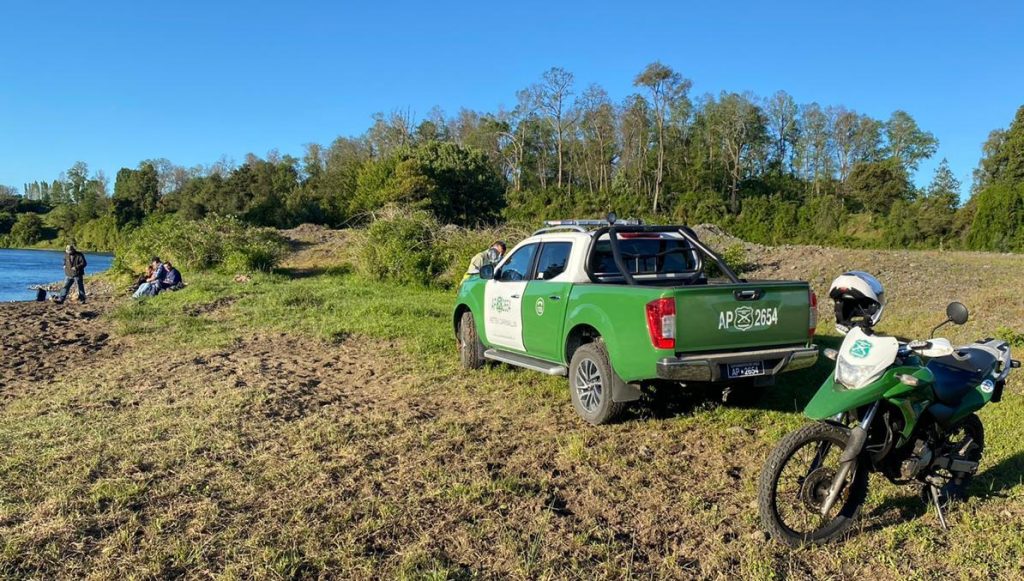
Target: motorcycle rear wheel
{"x":795,"y":481}
{"x":968,"y":429}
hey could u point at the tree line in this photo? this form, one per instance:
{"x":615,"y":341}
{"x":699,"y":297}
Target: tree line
{"x":767,"y":168}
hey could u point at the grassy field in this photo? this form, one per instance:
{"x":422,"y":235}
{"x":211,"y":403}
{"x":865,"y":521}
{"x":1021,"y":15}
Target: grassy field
{"x":309,"y":424}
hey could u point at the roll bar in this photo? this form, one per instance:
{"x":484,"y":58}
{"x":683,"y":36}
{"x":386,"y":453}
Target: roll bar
{"x":686,"y":232}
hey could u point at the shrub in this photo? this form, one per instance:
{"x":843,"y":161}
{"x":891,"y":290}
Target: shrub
{"x":734,"y":256}
{"x":457,"y":246}
{"x":213,"y":242}
{"x":1012,"y":337}
{"x":400,"y":246}
{"x":411,"y":247}
{"x":99,"y":234}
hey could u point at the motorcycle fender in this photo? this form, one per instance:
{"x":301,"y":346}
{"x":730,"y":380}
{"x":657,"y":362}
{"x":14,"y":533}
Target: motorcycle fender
{"x":833,"y":398}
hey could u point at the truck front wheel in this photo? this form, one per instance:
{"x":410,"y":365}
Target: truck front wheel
{"x":471,"y":349}
{"x":591,"y":384}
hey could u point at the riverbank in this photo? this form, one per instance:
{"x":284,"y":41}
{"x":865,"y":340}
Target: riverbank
{"x":307,"y":423}
{"x":22,"y":270}
{"x":41,"y":341}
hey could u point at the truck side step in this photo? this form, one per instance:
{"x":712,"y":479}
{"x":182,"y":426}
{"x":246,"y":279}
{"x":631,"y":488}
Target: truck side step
{"x":526,"y":361}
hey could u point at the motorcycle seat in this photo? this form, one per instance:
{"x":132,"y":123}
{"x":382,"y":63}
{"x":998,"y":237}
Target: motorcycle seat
{"x":957,"y":374}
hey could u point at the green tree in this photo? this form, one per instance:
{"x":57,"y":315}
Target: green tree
{"x":998,"y":218}
{"x":668,"y":93}
{"x":136,"y":193}
{"x":6,"y":221}
{"x":876,"y":186}
{"x":908,"y":143}
{"x":1003,"y":155}
{"x":27,"y":229}
{"x":458,"y":185}
{"x":738,"y":129}
{"x":936,"y":209}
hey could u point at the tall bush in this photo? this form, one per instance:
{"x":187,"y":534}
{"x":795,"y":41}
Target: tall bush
{"x":400,"y":246}
{"x":213,"y":242}
{"x":411,"y":247}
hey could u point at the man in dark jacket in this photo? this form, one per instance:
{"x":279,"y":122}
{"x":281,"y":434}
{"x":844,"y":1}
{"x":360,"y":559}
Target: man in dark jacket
{"x":74,"y":271}
{"x":171,"y":279}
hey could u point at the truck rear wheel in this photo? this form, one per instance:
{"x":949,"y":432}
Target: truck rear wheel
{"x":471,"y":349}
{"x":591,"y":384}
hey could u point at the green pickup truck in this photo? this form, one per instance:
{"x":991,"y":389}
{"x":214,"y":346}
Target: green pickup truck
{"x":618,"y":305}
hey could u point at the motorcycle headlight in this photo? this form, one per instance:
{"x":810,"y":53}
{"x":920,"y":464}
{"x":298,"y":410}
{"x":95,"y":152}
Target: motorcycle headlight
{"x":857,"y":376}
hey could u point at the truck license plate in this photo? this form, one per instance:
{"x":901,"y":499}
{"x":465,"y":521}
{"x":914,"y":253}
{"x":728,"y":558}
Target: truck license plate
{"x":752,"y":369}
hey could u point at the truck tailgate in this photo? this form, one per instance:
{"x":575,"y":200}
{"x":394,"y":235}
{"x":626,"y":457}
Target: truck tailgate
{"x":717,"y":317}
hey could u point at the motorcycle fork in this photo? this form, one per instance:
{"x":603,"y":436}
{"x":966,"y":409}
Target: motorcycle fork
{"x":848,"y":461}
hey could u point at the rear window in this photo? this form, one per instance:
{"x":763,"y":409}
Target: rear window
{"x":645,"y":256}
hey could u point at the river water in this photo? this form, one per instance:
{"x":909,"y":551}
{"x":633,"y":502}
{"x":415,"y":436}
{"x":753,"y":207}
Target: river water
{"x":20,"y":269}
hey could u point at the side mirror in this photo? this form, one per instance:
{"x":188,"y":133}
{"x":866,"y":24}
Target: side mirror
{"x":487,"y":271}
{"x":957,"y":313}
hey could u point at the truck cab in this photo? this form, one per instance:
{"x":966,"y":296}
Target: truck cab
{"x":616,"y":305}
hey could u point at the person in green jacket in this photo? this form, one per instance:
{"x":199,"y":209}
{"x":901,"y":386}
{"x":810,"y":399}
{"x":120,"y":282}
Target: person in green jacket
{"x":490,"y":256}
{"x":74,"y":272}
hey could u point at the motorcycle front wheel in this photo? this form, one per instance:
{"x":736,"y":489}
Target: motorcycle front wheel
{"x":795,"y":482}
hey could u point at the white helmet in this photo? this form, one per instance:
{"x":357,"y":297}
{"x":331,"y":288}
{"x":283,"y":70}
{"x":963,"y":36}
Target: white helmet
{"x":859,"y":300}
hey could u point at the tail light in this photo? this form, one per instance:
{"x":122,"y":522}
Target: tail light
{"x":661,"y":322}
{"x":812,"y":323}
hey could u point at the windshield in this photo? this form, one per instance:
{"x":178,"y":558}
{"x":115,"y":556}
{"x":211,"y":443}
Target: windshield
{"x":864,"y":358}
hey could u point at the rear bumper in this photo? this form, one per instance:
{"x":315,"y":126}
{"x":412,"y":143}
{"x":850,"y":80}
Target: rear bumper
{"x":712,"y":366}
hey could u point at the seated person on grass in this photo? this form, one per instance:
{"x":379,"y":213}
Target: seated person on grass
{"x":151,"y":285}
{"x":151,"y":273}
{"x":171,"y":279}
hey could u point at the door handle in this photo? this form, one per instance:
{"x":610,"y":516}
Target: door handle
{"x":747,"y":295}
{"x":555,"y":298}
{"x":515,"y":296}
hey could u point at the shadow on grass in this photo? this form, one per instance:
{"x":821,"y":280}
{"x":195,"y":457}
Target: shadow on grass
{"x":992,"y":482}
{"x":895,"y":510}
{"x":792,"y":391}
{"x":300,"y":273}
{"x":1003,"y":476}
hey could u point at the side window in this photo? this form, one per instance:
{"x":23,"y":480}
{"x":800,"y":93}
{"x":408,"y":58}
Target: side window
{"x":554,"y":256}
{"x":517,"y":267}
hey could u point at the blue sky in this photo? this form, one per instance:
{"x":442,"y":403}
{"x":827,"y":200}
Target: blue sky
{"x":113,"y":83}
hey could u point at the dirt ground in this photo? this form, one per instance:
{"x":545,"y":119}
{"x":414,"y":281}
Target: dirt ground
{"x":41,"y":340}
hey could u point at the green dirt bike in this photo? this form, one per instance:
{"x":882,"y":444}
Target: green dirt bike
{"x":903,"y":409}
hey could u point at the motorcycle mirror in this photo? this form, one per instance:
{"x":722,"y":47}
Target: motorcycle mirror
{"x":830,"y":353}
{"x":612,"y":218}
{"x":957,"y":313}
{"x":487,"y":271}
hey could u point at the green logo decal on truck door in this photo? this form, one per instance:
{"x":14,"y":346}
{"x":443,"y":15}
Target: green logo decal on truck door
{"x":746,"y":318}
{"x":538,"y":307}
{"x":501,"y":304}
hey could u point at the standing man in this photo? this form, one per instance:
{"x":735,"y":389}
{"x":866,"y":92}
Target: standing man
{"x":74,"y":271}
{"x":490,"y":256}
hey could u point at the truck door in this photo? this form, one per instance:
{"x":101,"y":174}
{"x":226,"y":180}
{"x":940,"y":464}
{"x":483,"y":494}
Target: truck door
{"x":503,"y":299}
{"x":545,"y":300}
